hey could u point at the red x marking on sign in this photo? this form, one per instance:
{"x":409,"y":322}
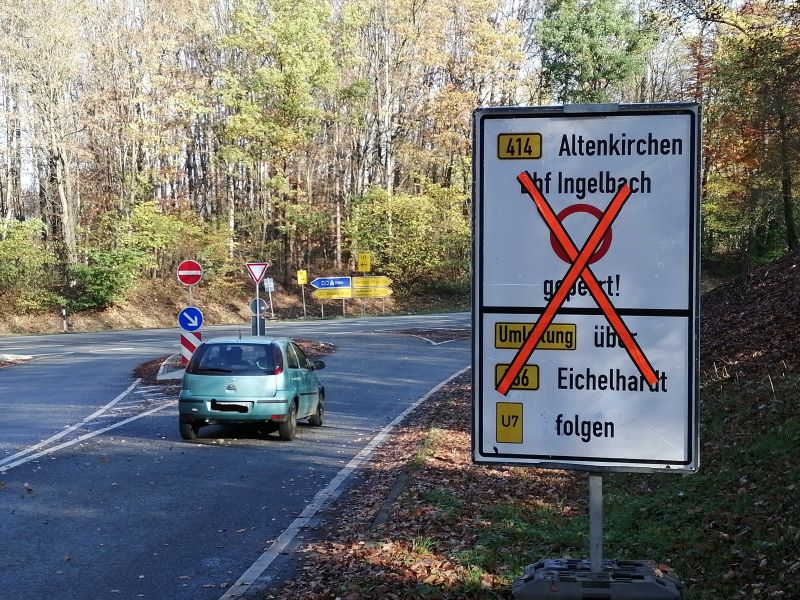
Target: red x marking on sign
{"x":578,"y":268}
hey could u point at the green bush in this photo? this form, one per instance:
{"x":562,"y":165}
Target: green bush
{"x":105,"y":278}
{"x":25,"y":265}
{"x":414,"y":239}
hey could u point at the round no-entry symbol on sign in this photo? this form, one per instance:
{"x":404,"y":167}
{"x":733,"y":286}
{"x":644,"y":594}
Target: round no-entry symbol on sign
{"x":597,"y":214}
{"x":190,"y":272}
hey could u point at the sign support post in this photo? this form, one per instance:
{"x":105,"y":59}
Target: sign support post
{"x":269,"y":285}
{"x":596,"y":521}
{"x":271,"y":307}
{"x":257,"y":272}
{"x":258,"y":320}
{"x":302,"y":279}
{"x":586,"y":261}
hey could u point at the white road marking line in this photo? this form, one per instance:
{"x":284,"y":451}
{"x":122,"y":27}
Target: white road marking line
{"x":34,"y":347}
{"x":329,"y":492}
{"x":448,"y":341}
{"x":69,"y":430}
{"x":52,"y":354}
{"x":85,"y":437}
{"x":115,"y":349}
{"x":421,"y":337}
{"x":431,"y":342}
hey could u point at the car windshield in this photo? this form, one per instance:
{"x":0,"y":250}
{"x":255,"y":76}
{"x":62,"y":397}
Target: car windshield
{"x":238,"y":358}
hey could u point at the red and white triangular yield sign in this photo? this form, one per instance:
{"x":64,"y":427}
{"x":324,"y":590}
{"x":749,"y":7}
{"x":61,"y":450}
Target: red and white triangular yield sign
{"x":257,"y":270}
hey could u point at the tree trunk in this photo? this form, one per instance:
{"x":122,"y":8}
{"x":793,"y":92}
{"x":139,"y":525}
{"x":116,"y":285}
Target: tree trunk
{"x":12,"y":190}
{"x":786,"y":180}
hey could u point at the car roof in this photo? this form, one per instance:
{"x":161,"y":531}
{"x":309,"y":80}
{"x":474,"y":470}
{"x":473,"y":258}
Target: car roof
{"x":247,"y":340}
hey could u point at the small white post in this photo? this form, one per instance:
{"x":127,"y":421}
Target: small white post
{"x":271,"y":310}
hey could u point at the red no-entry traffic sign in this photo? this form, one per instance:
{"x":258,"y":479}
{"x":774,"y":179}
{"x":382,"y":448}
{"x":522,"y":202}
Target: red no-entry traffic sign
{"x":190,"y":272}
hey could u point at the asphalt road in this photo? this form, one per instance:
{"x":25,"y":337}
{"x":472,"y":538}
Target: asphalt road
{"x":100,"y":498}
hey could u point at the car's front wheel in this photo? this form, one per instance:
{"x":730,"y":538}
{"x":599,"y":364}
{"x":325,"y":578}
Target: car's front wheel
{"x":287,"y":430}
{"x":189,"y":431}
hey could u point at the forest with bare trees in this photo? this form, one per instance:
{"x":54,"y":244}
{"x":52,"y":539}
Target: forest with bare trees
{"x":136,"y":133}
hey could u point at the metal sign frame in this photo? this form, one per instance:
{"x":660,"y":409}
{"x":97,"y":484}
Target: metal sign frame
{"x":605,"y":306}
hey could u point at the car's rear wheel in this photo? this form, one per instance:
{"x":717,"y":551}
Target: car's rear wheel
{"x":316,"y":418}
{"x":287,"y":430}
{"x":189,"y":431}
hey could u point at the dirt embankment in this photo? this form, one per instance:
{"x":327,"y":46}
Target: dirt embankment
{"x":752,"y":324}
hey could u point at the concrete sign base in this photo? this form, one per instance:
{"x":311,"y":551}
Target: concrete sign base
{"x":565,"y":579}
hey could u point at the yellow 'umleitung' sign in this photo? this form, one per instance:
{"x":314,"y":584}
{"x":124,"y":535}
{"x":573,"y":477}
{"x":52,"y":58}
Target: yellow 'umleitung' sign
{"x":559,"y":336}
{"x":364,"y":262}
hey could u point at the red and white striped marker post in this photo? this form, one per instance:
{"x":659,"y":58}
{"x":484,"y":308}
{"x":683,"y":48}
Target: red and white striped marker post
{"x":190,"y":273}
{"x":189,"y":343}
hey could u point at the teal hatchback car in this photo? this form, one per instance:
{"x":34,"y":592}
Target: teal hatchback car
{"x":250,"y":380}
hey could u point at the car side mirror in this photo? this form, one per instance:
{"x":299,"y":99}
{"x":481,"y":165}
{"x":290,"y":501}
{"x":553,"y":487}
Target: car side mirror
{"x":318,"y":364}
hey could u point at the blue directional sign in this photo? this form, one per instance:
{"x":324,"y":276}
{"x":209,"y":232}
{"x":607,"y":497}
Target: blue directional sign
{"x":325,"y":283}
{"x":190,"y":319}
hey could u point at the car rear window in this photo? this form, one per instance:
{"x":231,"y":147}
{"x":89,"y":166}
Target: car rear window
{"x":241,"y":359}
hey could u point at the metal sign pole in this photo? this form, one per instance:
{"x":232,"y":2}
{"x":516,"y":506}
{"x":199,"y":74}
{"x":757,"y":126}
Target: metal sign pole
{"x":303,"y":289}
{"x":256,"y":329}
{"x":596,"y":522}
{"x":271,"y":310}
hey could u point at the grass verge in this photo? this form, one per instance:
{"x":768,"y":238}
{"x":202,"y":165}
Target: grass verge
{"x":732,"y":530}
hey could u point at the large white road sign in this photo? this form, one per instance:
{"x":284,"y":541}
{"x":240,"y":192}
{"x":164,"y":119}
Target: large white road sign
{"x":585,"y":302}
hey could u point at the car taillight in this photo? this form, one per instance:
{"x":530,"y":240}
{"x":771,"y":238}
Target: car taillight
{"x":277,"y":359}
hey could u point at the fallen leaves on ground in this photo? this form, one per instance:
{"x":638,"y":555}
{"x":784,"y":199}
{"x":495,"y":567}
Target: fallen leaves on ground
{"x":418,"y":552}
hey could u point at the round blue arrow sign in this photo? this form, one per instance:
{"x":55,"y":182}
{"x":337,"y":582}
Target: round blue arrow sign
{"x":190,"y":319}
